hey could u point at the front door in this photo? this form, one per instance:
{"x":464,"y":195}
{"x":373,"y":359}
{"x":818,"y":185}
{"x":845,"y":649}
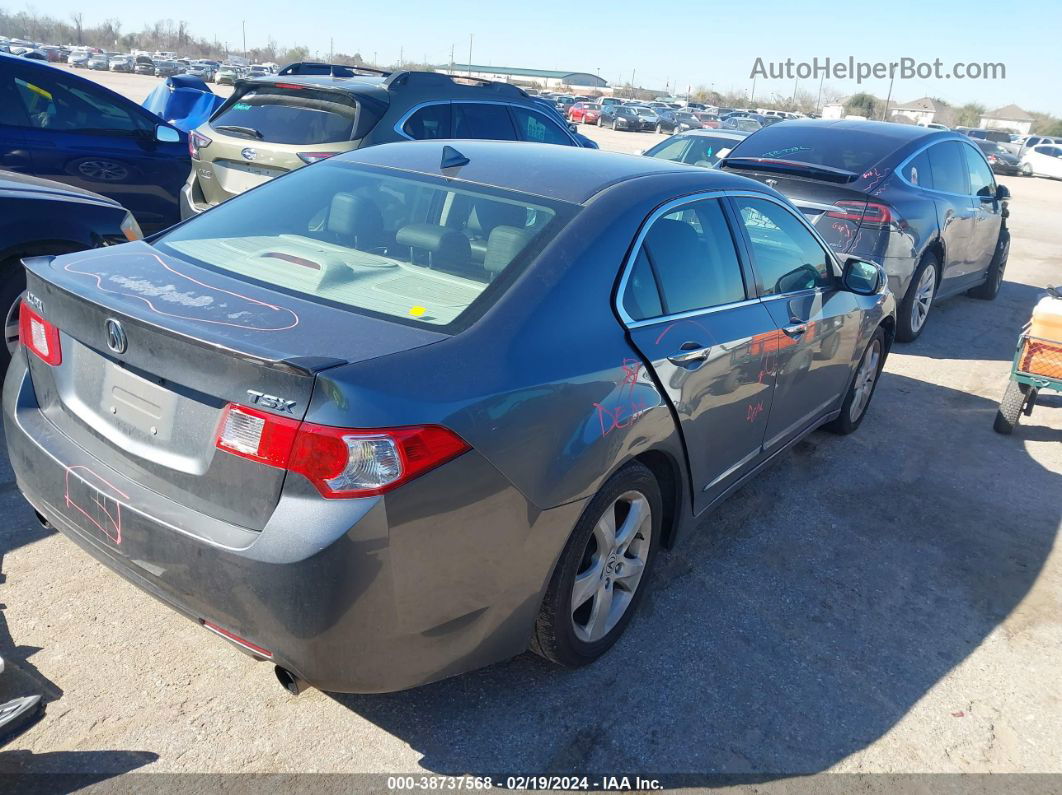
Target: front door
{"x":710,"y":347}
{"x":989,"y":214}
{"x":818,"y":322}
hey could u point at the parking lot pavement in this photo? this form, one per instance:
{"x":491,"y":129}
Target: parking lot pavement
{"x":884,"y":602}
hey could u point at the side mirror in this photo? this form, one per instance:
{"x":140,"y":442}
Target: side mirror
{"x":862,"y":277}
{"x":1002,"y":193}
{"x":167,"y":135}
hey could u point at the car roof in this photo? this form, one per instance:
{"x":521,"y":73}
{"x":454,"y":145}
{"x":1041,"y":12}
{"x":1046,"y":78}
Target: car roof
{"x":564,"y":173}
{"x":901,"y":133}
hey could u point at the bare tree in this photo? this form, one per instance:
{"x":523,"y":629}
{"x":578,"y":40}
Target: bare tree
{"x":78,"y":19}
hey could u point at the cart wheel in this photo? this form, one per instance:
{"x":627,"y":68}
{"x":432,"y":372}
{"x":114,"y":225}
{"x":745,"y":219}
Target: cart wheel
{"x":1030,"y":401}
{"x":1010,"y":408}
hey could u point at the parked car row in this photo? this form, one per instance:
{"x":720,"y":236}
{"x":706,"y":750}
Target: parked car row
{"x":327,"y":345}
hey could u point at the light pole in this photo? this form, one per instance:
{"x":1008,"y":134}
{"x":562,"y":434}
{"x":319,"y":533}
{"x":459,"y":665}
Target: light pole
{"x":244,"y":24}
{"x":469,"y":54}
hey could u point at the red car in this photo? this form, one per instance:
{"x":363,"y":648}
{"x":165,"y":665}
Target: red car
{"x":710,"y":121}
{"x":585,"y":112}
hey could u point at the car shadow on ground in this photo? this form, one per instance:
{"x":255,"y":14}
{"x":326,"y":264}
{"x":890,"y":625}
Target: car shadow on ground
{"x":966,"y":328}
{"x":800,"y":623}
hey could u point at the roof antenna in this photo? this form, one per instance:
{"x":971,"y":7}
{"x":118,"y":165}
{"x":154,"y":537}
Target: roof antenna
{"x":451,"y":158}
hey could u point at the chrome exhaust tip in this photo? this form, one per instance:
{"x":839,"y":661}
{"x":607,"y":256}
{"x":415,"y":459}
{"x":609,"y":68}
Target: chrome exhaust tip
{"x":289,"y":681}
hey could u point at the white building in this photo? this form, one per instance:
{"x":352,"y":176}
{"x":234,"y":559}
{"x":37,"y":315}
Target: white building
{"x":1010,"y":118}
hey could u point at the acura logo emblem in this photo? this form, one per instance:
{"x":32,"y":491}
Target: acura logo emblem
{"x":116,"y":340}
{"x":249,"y":153}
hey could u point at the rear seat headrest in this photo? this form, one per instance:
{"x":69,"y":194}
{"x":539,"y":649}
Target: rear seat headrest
{"x":447,"y":248}
{"x":356,"y":219}
{"x":503,"y":245}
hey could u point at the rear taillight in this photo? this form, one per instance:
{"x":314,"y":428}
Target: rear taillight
{"x":313,"y":157}
{"x":39,"y":336}
{"x":197,"y":141}
{"x":340,"y":462}
{"x":865,"y":212}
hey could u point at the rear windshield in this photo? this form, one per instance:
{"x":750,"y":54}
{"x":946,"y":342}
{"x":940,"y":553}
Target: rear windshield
{"x":282,"y":115}
{"x":846,"y":149}
{"x":411,"y":248}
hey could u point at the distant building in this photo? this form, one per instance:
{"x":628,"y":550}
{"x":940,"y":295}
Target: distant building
{"x":1009,"y":117}
{"x":550,"y":78}
{"x":919,"y":111}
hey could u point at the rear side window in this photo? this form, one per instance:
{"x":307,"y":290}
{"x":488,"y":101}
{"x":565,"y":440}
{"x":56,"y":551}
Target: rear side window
{"x":288,"y":115}
{"x":949,"y":169}
{"x":415,"y":249}
{"x":480,"y":120}
{"x":429,"y":122}
{"x":687,"y":262}
{"x":535,"y":127}
{"x":918,"y":171}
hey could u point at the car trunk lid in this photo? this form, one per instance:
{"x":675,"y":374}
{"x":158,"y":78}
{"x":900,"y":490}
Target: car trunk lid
{"x":154,"y":348}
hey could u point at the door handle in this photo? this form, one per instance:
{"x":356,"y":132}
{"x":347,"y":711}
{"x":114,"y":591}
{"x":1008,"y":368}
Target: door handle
{"x":690,"y":352}
{"x":795,"y":330}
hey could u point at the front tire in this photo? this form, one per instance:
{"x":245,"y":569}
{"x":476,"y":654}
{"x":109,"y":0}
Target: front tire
{"x":914,"y":309}
{"x":602,"y":572}
{"x":861,"y":391}
{"x":994,"y":278}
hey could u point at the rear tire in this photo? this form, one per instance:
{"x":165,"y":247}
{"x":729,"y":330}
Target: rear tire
{"x":861,"y":390}
{"x":11,"y":289}
{"x":601,"y":576}
{"x":914,"y":309}
{"x":1010,"y":408}
{"x":994,"y":278}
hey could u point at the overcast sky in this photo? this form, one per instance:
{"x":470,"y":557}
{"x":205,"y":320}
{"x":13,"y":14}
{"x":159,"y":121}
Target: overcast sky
{"x":674,"y":42}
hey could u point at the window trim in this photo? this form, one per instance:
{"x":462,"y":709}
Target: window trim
{"x":747,"y":275}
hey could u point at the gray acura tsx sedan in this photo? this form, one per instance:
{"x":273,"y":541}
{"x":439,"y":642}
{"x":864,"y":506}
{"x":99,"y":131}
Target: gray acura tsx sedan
{"x":420,"y":407}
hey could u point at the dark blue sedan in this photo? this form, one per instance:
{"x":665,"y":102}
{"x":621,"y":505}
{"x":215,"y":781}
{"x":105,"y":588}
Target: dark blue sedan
{"x":57,"y":125}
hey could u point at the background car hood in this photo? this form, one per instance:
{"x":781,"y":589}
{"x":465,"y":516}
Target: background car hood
{"x":184,"y":101}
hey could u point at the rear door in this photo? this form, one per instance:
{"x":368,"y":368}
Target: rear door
{"x":708,"y":341}
{"x":818,"y":322}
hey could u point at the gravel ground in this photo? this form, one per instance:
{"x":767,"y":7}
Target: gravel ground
{"x":887,"y":602}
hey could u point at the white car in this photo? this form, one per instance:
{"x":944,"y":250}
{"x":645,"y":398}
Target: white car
{"x":1043,"y":160}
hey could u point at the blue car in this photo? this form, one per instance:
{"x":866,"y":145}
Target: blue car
{"x":57,"y":125}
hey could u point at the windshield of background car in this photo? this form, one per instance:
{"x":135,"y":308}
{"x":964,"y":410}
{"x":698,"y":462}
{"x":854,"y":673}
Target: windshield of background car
{"x":847,"y":149}
{"x":412,"y":248}
{"x":288,"y":115}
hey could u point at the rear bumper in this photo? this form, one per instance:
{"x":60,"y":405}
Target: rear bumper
{"x":191,"y":198}
{"x":442,"y":576}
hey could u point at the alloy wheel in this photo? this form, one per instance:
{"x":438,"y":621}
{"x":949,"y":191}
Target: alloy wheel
{"x":612,"y":566}
{"x":103,"y":170}
{"x":865,"y":379}
{"x":923,"y":297}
